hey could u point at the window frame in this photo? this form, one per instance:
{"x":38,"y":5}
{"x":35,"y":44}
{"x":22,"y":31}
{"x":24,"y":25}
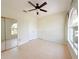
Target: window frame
{"x":72,"y":22}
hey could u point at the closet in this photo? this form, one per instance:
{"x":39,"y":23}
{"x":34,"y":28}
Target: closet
{"x":9,"y":33}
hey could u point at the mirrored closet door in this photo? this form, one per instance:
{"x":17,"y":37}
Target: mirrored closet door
{"x":3,"y":37}
{"x":8,"y":33}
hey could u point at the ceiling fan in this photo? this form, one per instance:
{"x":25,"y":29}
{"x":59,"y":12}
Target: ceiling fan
{"x":37,"y":6}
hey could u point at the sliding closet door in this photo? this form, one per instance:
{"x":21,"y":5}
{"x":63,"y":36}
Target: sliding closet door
{"x":11,"y":33}
{"x":3,"y":37}
{"x":8,"y":33}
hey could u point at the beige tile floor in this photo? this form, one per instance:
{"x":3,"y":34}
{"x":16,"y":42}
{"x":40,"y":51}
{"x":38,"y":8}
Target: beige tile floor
{"x":38,"y":49}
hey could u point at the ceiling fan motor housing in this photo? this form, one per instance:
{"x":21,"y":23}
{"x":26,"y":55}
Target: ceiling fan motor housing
{"x":37,"y":6}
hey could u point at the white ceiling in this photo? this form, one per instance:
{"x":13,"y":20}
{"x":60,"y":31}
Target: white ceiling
{"x":53,"y":6}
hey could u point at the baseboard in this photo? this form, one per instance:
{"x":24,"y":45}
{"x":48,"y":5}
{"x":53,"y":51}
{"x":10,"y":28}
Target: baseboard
{"x":53,"y":41}
{"x":19,"y":44}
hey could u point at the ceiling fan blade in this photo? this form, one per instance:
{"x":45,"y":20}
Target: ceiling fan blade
{"x":43,"y":4}
{"x":43,"y":10}
{"x":28,"y":10}
{"x":31,"y":4}
{"x":24,"y":11}
{"x":31,"y":9}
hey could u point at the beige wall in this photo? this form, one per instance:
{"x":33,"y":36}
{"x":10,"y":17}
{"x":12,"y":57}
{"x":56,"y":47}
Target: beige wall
{"x":51,"y":27}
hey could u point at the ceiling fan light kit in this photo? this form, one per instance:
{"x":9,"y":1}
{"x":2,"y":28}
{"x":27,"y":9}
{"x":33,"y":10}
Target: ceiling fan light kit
{"x":37,"y":6}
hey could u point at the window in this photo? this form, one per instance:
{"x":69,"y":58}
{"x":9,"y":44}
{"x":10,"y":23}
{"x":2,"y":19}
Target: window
{"x":73,"y":29}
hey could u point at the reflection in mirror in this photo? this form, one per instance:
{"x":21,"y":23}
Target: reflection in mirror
{"x":9,"y":33}
{"x":3,"y":37}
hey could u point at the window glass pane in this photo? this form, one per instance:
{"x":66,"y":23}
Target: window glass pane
{"x":73,"y":28}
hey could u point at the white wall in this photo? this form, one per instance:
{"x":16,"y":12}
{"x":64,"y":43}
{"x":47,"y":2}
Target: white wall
{"x":27,"y":28}
{"x":51,"y":27}
{"x":26,"y":21}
